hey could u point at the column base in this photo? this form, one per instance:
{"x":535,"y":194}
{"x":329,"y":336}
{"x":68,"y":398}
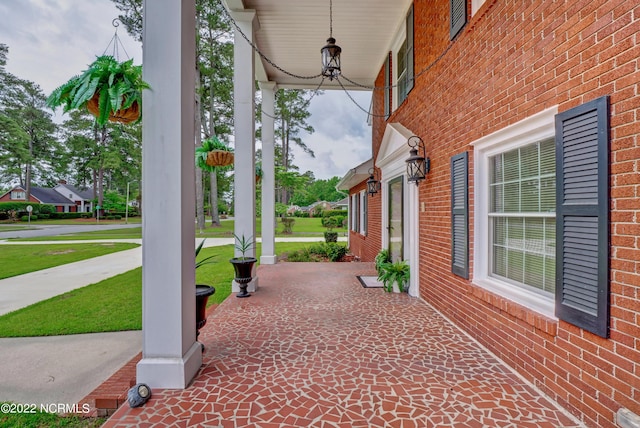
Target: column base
{"x":170,"y":373}
{"x":251,"y":287}
{"x":268,"y":260}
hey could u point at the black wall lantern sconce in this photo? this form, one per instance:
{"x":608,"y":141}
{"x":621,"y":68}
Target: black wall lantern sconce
{"x":417,"y":166}
{"x":373,"y":184}
{"x":331,"y":52}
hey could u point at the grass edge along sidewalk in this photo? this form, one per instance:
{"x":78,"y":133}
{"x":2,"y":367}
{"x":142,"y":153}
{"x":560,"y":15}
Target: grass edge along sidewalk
{"x":115,"y":304}
{"x":22,"y":259}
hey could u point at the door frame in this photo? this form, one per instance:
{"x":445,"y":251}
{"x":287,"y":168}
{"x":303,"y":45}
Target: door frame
{"x":391,"y":160}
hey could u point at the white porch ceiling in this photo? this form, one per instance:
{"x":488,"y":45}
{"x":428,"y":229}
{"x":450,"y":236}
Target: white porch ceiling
{"x":291,"y":32}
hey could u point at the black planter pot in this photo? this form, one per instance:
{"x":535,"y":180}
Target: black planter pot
{"x":202,"y":295}
{"x":244,"y":271}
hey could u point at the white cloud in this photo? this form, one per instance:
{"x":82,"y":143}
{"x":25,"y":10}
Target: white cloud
{"x":342,"y":138}
{"x":52,"y":40}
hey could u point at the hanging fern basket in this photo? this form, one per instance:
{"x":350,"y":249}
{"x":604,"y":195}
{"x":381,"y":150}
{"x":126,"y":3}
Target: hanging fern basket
{"x":219,"y":158}
{"x":127,"y":115}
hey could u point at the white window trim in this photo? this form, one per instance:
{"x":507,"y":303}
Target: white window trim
{"x":400,"y":37}
{"x":535,"y":128}
{"x":363,"y":201}
{"x":475,"y":5}
{"x":354,"y":212}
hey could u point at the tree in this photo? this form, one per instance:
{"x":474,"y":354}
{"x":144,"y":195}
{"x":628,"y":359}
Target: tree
{"x":108,"y":156}
{"x":317,"y":190}
{"x":214,"y":86}
{"x":291,"y":111}
{"x":28,"y":142}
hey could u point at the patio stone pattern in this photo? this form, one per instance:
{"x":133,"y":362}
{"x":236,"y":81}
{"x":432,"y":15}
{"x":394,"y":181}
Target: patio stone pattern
{"x":314,"y":348}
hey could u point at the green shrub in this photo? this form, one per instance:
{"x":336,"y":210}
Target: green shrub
{"x":117,"y":217}
{"x":333,"y":213}
{"x":301,"y":255}
{"x":43,"y":216}
{"x":66,"y":215}
{"x":335,"y":251}
{"x":330,"y":222}
{"x":85,"y":215}
{"x":110,"y":217}
{"x":301,"y":214}
{"x":331,"y":237}
{"x":24,"y":218}
{"x":287,"y":225}
{"x":45,"y":209}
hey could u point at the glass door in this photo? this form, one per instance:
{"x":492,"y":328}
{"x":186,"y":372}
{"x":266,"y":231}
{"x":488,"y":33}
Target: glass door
{"x":395,"y":227}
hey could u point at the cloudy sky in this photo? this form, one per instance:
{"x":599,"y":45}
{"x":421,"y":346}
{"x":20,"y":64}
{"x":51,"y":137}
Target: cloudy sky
{"x":51,"y":40}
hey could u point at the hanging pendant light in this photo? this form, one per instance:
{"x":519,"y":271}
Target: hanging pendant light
{"x":331,"y":52}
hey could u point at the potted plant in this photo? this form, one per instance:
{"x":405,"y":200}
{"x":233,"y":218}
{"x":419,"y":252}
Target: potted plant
{"x":383,"y":256}
{"x":394,"y":276}
{"x":213,"y":153}
{"x":258,"y":172}
{"x":202,"y":292}
{"x":109,"y":89}
{"x":243,"y":266}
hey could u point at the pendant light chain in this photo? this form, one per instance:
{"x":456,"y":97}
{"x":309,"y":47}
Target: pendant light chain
{"x":330,"y":18}
{"x":262,"y":55}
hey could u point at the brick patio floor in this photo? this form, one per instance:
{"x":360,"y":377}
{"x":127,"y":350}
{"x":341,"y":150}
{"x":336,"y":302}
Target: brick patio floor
{"x":314,"y":348}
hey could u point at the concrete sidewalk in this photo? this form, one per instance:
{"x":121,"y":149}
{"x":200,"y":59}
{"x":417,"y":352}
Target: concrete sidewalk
{"x":62,"y":369}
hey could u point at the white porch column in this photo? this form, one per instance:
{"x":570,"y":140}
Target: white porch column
{"x":244,"y":135}
{"x":268,"y":256}
{"x":170,"y":354}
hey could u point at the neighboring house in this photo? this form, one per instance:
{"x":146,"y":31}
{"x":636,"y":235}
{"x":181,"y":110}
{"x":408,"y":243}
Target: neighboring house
{"x":318,"y":206}
{"x":364,"y":241}
{"x":342,"y":204}
{"x":83,"y":198}
{"x":40,"y":195}
{"x":525,"y":230}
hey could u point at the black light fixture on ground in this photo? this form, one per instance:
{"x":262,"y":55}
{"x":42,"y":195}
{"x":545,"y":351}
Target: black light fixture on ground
{"x":417,"y":166}
{"x":331,"y":52}
{"x":373,"y":184}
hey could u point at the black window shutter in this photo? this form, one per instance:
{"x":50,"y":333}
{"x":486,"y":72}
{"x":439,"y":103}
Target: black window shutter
{"x":460,"y":215}
{"x":458,"y":16}
{"x":410,"y":71}
{"x":387,"y":89}
{"x":582,"y":216}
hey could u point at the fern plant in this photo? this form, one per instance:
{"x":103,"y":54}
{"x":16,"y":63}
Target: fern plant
{"x":383,"y":256}
{"x":395,"y":272}
{"x":118,"y":85}
{"x":208,"y":145}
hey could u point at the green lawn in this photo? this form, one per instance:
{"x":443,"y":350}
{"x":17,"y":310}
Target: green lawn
{"x":42,"y":420}
{"x":114,"y":304}
{"x":15,"y":228}
{"x":126,"y":233}
{"x":21,"y":259}
{"x":301,"y":227}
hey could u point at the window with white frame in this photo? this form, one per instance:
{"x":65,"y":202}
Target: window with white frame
{"x":403,"y":61}
{"x":355,"y":212}
{"x":514,"y":212}
{"x":18,"y":194}
{"x":522,"y":216}
{"x":363,"y":212}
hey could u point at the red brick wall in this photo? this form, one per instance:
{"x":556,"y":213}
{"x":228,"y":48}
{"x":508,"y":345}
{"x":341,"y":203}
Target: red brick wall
{"x":513,"y":59}
{"x":367,"y":246}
